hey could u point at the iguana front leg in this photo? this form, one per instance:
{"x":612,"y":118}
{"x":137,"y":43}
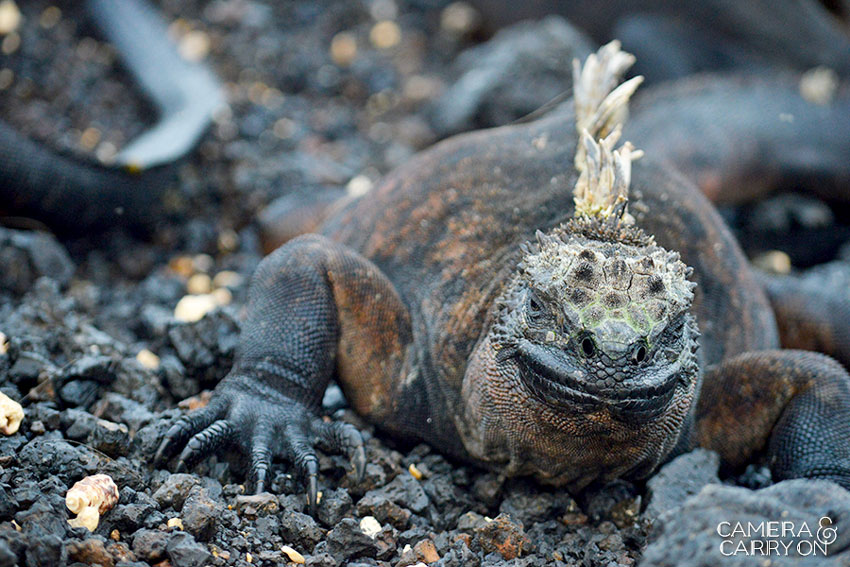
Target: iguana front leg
{"x":315,"y":307}
{"x":793,"y":404}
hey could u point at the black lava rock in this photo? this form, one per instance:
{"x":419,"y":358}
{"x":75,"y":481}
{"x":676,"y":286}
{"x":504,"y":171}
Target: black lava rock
{"x":184,"y":551}
{"x":200,"y":514}
{"x":150,"y":545}
{"x":27,"y":256}
{"x":174,"y":491}
{"x":335,"y":505}
{"x":695,"y":534}
{"x":680,"y":479}
{"x":300,"y":530}
{"x":347,"y":541}
{"x":110,"y":438}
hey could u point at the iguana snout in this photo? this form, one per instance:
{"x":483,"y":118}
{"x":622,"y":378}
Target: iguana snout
{"x":633,"y":391}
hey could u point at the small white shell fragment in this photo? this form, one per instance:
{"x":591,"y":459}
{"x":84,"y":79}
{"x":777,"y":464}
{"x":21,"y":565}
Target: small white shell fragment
{"x":344,"y":48}
{"x":819,"y":85}
{"x":359,"y":185}
{"x":148,"y":359}
{"x":11,"y":415}
{"x":10,"y":17}
{"x":222,"y":296}
{"x":228,"y":278}
{"x":89,"y":498}
{"x":88,"y":518}
{"x":192,"y":308}
{"x":194,"y":46}
{"x":370,"y":526}
{"x":293,"y":555}
{"x":199,"y":283}
{"x":175,"y":523}
{"x":385,"y":34}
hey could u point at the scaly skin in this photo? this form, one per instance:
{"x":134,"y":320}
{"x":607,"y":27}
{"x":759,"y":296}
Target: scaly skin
{"x":441,"y":323}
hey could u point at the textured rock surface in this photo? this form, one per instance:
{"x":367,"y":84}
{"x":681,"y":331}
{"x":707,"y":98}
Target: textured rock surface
{"x":720,"y":526}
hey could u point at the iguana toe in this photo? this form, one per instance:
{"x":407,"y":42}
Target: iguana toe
{"x":184,"y":428}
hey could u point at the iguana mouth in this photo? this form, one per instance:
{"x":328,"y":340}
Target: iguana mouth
{"x":558,"y":381}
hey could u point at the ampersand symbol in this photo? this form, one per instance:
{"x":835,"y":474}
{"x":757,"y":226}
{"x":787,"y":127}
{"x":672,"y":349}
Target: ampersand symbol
{"x":826,"y":533}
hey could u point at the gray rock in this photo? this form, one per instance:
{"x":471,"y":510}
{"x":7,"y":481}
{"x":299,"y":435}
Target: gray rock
{"x":406,"y":491}
{"x":27,"y":256}
{"x":110,"y":438}
{"x":78,"y":423}
{"x":45,"y":549}
{"x":709,"y":529}
{"x":528,"y":503}
{"x":150,"y":545}
{"x":175,"y":490}
{"x":184,"y":551}
{"x":335,"y":505}
{"x":300,"y":530}
{"x":46,"y":455}
{"x":7,"y":556}
{"x":45,"y":516}
{"x":254,"y":505}
{"x":124,"y":410}
{"x":679,"y":479}
{"x":8,"y":503}
{"x":347,"y":541}
{"x":206,"y":347}
{"x":200,"y":514}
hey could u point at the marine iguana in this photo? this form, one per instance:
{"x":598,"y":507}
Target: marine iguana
{"x":473,"y":302}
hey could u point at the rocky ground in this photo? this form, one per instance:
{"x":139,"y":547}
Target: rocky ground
{"x":97,"y":344}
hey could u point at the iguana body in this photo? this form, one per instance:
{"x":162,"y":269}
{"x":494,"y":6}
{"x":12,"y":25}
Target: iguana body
{"x":440,"y":324}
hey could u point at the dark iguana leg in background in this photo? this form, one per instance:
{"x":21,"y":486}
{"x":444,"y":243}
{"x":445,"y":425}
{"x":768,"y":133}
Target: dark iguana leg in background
{"x":74,"y":195}
{"x":314,"y":307}
{"x":70,"y":194}
{"x":816,"y":38}
{"x":668,"y":48}
{"x":739,"y":137}
{"x":795,"y":405}
{"x":812,"y":311}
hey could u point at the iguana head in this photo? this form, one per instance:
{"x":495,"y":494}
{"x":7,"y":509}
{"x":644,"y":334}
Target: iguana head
{"x":591,"y":359}
{"x":599,"y":319}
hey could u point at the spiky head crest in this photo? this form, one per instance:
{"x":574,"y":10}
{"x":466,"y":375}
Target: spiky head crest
{"x":601,"y":109}
{"x":605,"y":273}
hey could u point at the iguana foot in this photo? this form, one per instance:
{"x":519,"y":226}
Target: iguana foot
{"x":262,"y":423}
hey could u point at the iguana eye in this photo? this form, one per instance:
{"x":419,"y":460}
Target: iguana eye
{"x":534,"y":308}
{"x":587,"y":346}
{"x":639,"y":354}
